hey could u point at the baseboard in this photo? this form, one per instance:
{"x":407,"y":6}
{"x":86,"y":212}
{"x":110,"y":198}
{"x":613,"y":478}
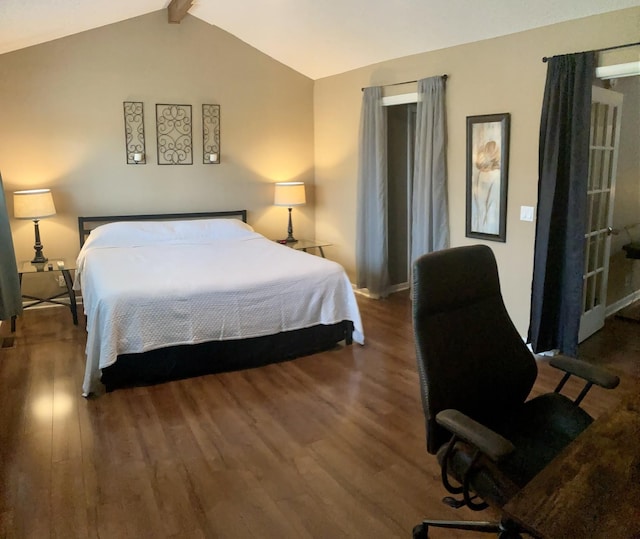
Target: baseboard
{"x":364,"y":292}
{"x":367,"y":294}
{"x":399,"y":287}
{"x":622,"y":303}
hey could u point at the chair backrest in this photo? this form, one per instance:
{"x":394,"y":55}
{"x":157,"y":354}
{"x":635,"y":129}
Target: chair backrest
{"x":470,"y":356}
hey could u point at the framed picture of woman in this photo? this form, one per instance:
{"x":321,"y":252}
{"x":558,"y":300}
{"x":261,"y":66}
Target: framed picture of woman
{"x":487,"y":173}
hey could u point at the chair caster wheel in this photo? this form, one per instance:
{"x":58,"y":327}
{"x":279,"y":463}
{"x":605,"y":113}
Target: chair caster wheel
{"x":421,"y":531}
{"x":452,"y":502}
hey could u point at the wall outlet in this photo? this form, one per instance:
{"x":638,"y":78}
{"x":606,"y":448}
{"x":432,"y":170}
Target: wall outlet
{"x":61,"y":282}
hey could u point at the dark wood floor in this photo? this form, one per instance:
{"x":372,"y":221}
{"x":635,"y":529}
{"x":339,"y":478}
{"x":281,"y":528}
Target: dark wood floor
{"x":326,"y":446}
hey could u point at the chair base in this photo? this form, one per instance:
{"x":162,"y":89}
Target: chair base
{"x":505,"y":530}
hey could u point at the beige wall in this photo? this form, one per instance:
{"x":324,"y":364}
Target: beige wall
{"x":499,"y":75}
{"x":61,"y":126}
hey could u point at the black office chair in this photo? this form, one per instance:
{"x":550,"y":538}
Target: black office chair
{"x":475,"y":375}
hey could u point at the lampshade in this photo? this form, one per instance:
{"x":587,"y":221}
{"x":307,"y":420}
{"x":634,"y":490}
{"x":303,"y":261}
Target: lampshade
{"x":289,"y":194}
{"x":33,"y":204}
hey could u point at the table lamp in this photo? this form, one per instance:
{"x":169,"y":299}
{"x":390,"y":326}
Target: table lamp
{"x":34,"y":204}
{"x":290,"y":194}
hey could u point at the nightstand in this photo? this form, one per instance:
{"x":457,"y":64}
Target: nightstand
{"x":59,"y":266}
{"x":303,"y":245}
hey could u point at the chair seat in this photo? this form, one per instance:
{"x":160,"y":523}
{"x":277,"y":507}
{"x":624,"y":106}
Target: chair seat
{"x":539,"y":429}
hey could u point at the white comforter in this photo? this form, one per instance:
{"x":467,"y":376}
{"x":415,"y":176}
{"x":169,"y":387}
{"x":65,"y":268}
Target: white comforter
{"x":146,"y":295}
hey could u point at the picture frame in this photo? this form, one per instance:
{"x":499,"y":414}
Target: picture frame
{"x":487,"y":176}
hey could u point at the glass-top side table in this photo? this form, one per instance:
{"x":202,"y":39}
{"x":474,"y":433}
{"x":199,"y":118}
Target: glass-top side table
{"x":53,"y":264}
{"x":303,"y":245}
{"x":62,"y":265}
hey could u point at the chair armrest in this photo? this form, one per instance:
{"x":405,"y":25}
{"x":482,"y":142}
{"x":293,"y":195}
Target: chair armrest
{"x":490,"y":443}
{"x":590,"y":373}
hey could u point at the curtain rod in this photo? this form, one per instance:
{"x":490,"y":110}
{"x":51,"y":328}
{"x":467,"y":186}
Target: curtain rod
{"x":444,"y":77}
{"x":545,"y":59}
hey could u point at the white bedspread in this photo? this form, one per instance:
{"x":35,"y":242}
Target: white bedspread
{"x":142,"y":297}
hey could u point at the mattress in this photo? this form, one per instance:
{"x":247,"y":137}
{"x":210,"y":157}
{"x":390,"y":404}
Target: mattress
{"x":151,"y":285}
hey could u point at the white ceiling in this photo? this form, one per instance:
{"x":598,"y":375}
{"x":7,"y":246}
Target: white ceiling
{"x":315,"y":37}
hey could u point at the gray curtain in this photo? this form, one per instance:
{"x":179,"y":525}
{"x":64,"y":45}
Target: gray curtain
{"x":429,"y":213}
{"x":10,"y":297}
{"x":371,"y":240}
{"x":556,"y":291}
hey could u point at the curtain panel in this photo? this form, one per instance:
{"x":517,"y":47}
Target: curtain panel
{"x":10,"y":296}
{"x":429,"y":213}
{"x":556,"y":291}
{"x":372,"y":226}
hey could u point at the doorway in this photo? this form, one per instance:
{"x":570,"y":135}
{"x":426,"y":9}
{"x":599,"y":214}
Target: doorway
{"x":401,"y":128}
{"x":623,"y":281}
{"x":606,"y":111}
{"x":623,"y":287}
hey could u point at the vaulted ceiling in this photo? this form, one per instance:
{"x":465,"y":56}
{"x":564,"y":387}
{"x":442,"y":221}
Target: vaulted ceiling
{"x":318,"y":38}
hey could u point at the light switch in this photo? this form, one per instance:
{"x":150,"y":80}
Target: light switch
{"x":526,"y":213}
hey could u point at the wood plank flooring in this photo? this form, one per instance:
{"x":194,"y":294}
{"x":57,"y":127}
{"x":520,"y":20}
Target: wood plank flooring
{"x":326,"y":446}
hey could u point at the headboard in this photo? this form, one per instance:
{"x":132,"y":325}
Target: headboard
{"x":87,"y":224}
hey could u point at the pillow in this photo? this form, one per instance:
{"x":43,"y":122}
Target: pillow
{"x":138,"y":233}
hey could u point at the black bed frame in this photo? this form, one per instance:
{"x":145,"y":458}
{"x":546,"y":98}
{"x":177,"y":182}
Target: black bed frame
{"x":184,"y":361}
{"x":87,"y":224}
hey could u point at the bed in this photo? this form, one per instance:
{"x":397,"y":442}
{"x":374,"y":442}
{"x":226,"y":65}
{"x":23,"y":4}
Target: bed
{"x":179,"y":295}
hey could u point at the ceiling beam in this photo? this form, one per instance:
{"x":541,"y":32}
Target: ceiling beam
{"x":178,"y":10}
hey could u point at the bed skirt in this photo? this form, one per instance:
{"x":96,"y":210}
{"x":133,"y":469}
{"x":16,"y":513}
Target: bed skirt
{"x":186,"y":361}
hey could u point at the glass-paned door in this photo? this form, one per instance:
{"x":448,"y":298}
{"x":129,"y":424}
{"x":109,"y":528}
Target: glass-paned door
{"x":606,"y":107}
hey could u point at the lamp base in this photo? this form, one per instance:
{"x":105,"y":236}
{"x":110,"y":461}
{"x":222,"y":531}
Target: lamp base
{"x":39,"y":258}
{"x":290,"y":238}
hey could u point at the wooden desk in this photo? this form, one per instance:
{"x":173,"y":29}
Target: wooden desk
{"x":592,"y":488}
